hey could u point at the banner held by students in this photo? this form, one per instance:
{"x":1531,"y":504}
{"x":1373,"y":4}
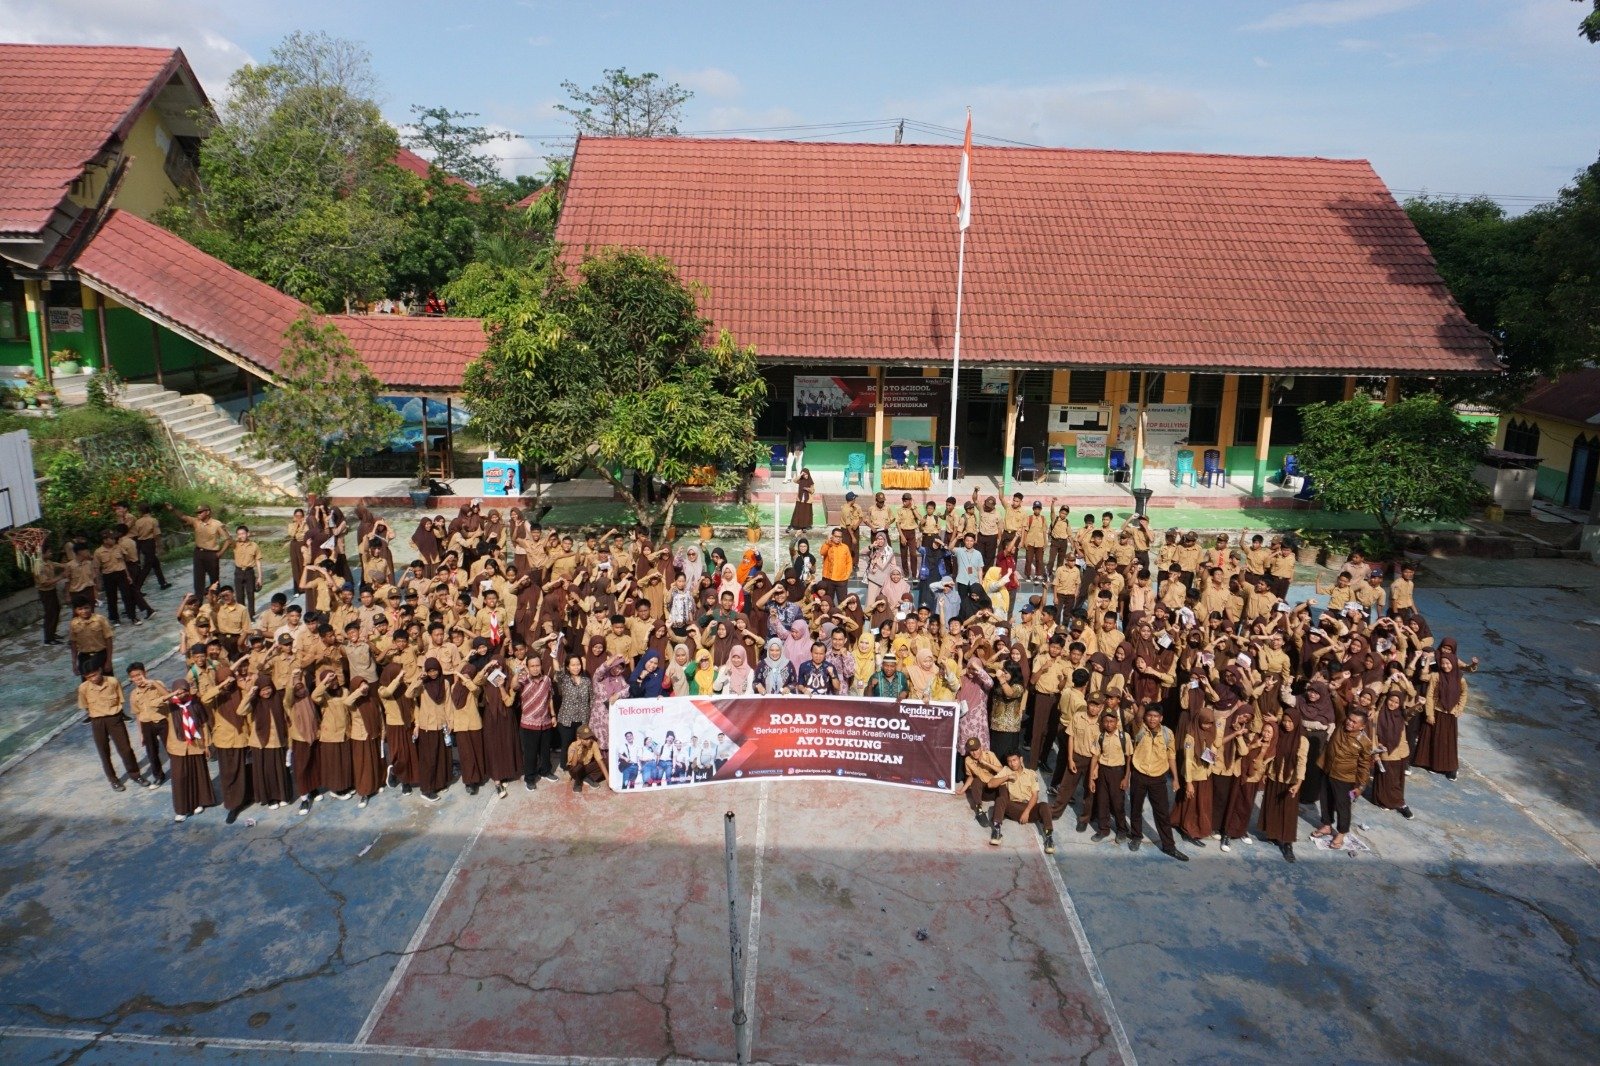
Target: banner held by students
{"x":694,"y":740}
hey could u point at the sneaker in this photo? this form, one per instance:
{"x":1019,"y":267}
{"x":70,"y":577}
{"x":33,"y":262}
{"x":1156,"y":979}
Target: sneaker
{"x":531,"y":785}
{"x":305,"y":806}
{"x":160,"y":779}
{"x":430,"y":797}
{"x":1175,"y":853}
{"x":1408,"y":771}
{"x":1133,"y":845}
{"x":994,"y":836}
{"x":500,"y":790}
{"x":981,"y":818}
{"x":389,"y":780}
{"x":197,"y":810}
{"x":1216,"y":836}
{"x":165,"y":587}
{"x":118,"y":786}
{"x":1288,"y":851}
{"x":179,"y":817}
{"x":549,"y":775}
{"x":138,"y":621}
{"x":1082,"y":826}
{"x":362,"y":805}
{"x":1049,"y":842}
{"x":140,"y":779}
{"x":577,"y":784}
{"x":1451,"y":776}
{"x":1225,"y":844}
{"x":273,"y":806}
{"x":1099,"y":835}
{"x":405,"y":790}
{"x":472,"y":790}
{"x":346,"y":794}
{"x":1405,"y":812}
{"x":233,"y":816}
{"x":153,"y":785}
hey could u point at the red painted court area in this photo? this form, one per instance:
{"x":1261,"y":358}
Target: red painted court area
{"x":596,"y":926}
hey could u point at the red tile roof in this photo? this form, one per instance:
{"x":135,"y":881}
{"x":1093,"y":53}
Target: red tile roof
{"x":415,"y":352}
{"x":1572,"y":397}
{"x":1093,"y":258}
{"x":145,"y":266}
{"x":59,"y":105}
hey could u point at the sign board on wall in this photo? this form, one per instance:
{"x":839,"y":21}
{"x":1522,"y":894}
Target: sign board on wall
{"x":819,"y":396}
{"x":66,"y":319}
{"x":1072,"y":417}
{"x":1166,"y":429}
{"x":1091,"y":445}
{"x":995,"y":382}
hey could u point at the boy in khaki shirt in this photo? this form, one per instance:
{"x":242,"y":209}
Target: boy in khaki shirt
{"x":100,"y":696}
{"x":246,"y":568}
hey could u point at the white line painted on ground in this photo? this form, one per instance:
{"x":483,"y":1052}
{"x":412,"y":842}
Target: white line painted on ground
{"x":752,"y":938}
{"x":1090,"y":963}
{"x":1533,"y":816}
{"x":415,"y":943}
{"x":297,"y":1047}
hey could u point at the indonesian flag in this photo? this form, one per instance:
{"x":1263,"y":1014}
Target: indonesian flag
{"x":964,"y":182}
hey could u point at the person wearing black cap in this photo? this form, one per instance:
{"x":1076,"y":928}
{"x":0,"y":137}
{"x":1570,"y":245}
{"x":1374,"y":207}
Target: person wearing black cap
{"x":981,"y":766}
{"x":584,"y":762}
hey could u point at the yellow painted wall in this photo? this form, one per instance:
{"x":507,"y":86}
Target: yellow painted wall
{"x":1555,"y":450}
{"x":146,"y":189}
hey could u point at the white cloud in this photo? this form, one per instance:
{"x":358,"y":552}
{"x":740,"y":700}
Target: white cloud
{"x":193,"y":25}
{"x":711,"y":82}
{"x":1330,"y":13}
{"x":742,"y":118}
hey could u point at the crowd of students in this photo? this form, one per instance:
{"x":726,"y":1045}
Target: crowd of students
{"x":1100,"y":668}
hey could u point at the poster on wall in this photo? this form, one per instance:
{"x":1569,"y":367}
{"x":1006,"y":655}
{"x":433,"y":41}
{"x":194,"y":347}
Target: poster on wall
{"x":66,"y":320}
{"x":995,"y":382}
{"x":1166,"y":429}
{"x":1091,"y":445}
{"x":820,"y":396}
{"x":1076,"y":417}
{"x":678,"y":741}
{"x":502,"y":477}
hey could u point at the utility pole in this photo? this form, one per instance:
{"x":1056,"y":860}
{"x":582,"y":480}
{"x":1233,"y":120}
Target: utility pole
{"x":899,"y":131}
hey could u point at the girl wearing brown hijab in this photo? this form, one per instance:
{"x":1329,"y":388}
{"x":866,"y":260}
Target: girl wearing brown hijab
{"x":1316,"y":713}
{"x":466,"y":725}
{"x":1258,"y":751}
{"x":1445,"y":699}
{"x":1192,"y":814}
{"x":269,"y":733}
{"x":302,"y":741}
{"x":188,"y":735}
{"x":335,"y":772}
{"x":502,"y":738}
{"x":429,"y":693}
{"x":1229,"y":747}
{"x":1389,"y":780}
{"x":1286,"y":771}
{"x":398,"y":717}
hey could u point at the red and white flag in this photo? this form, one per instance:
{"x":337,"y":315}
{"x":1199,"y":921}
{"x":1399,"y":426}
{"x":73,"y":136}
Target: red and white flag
{"x":964,"y":182}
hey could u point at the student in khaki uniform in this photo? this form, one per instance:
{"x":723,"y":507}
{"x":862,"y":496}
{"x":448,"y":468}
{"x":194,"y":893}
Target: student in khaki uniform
{"x":89,"y":636}
{"x":209,"y":537}
{"x":585,"y":762}
{"x":1018,"y":800}
{"x":1154,"y":761}
{"x":269,"y":736}
{"x":1403,"y":593}
{"x":146,"y":534}
{"x":148,"y":698}
{"x":231,"y":623}
{"x":1035,"y":537}
{"x":907,"y":522}
{"x":850,"y":520}
{"x":246,"y":568}
{"x":83,"y":576}
{"x":188,"y":737}
{"x":47,"y":577}
{"x":1050,"y":674}
{"x":1108,"y":777}
{"x":335,"y":773}
{"x":981,"y":766}
{"x":988,"y":523}
{"x":100,"y":697}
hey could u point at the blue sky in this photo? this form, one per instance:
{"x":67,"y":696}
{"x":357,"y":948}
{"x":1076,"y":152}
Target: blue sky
{"x":1448,"y":96}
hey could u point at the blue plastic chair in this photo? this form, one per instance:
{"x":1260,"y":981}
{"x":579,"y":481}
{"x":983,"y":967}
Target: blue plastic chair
{"x":1214,"y":470}
{"x":855,"y":466}
{"x":1056,"y":462}
{"x":1307,"y":492}
{"x":1183,"y":467}
{"x":1026,"y":467}
{"x":925,"y":456}
{"x":946,"y":459}
{"x":1116,"y":465}
{"x":780,"y":457}
{"x":899,"y":454}
{"x":1291,"y":468}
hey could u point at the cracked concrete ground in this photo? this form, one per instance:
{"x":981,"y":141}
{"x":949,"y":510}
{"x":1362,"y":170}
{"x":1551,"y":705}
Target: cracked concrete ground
{"x":596,"y":926}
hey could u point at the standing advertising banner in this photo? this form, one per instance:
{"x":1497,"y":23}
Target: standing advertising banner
{"x":816,"y":397}
{"x":677,"y":741}
{"x":1166,"y":429}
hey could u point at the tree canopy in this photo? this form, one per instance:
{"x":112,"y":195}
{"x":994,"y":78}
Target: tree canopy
{"x":1406,"y":463}
{"x":626,"y":105}
{"x":325,"y":410}
{"x":611,"y":371}
{"x":455,"y":146}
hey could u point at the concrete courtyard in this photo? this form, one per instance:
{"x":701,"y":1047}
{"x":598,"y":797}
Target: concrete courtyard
{"x":552,"y":927}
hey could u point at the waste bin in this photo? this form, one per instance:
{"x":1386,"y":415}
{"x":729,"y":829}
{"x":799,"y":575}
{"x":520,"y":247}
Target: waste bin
{"x":1141,"y":500}
{"x":1510,"y":478}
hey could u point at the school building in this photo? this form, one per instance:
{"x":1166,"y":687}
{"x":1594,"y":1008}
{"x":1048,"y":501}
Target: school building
{"x":1559,"y":421}
{"x":1118,"y":307}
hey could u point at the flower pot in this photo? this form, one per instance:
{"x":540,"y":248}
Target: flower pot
{"x":669,"y":534}
{"x":706,"y":532}
{"x":753,"y":534}
{"x":419,"y":497}
{"x":68,"y":369}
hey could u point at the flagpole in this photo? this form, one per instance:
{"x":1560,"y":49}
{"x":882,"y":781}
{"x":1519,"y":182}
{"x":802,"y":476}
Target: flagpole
{"x":955,"y":370}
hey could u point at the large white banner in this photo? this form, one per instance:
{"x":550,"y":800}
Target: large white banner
{"x":1166,"y":429}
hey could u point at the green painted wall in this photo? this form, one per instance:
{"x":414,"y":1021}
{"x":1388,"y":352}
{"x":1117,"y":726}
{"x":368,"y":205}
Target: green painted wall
{"x":15,"y":353}
{"x":1551,"y":484}
{"x":128,"y":341}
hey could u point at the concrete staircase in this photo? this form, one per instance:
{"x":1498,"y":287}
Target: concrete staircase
{"x":195,"y":420}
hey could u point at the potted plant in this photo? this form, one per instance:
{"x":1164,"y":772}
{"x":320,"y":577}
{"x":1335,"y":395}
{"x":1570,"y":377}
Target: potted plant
{"x":752,"y":522}
{"x":10,"y":398}
{"x":706,"y":531}
{"x":65,"y":361}
{"x":419,"y":485}
{"x":47,"y":396}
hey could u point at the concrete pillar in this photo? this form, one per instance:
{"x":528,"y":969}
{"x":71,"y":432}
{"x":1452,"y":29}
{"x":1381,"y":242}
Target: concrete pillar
{"x":1349,"y":388}
{"x":38,"y":331}
{"x":1136,"y":477}
{"x":877,"y":434}
{"x":1391,"y":392}
{"x":1258,"y":487}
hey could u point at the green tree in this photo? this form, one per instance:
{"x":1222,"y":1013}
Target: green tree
{"x":1412,"y":462}
{"x":1589,"y":28}
{"x":325,"y":410}
{"x":454,"y":146}
{"x":626,"y":105}
{"x":612,"y":372}
{"x":296,"y":183}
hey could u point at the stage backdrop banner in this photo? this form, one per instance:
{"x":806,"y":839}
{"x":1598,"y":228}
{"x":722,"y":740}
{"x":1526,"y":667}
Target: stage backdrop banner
{"x":815,"y":397}
{"x":677,"y":741}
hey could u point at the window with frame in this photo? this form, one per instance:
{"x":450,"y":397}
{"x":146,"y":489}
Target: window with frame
{"x":1155,"y":387}
{"x":1086,"y":387}
{"x":1522,"y":437}
{"x":1205,"y":408}
{"x":1247,"y":410}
